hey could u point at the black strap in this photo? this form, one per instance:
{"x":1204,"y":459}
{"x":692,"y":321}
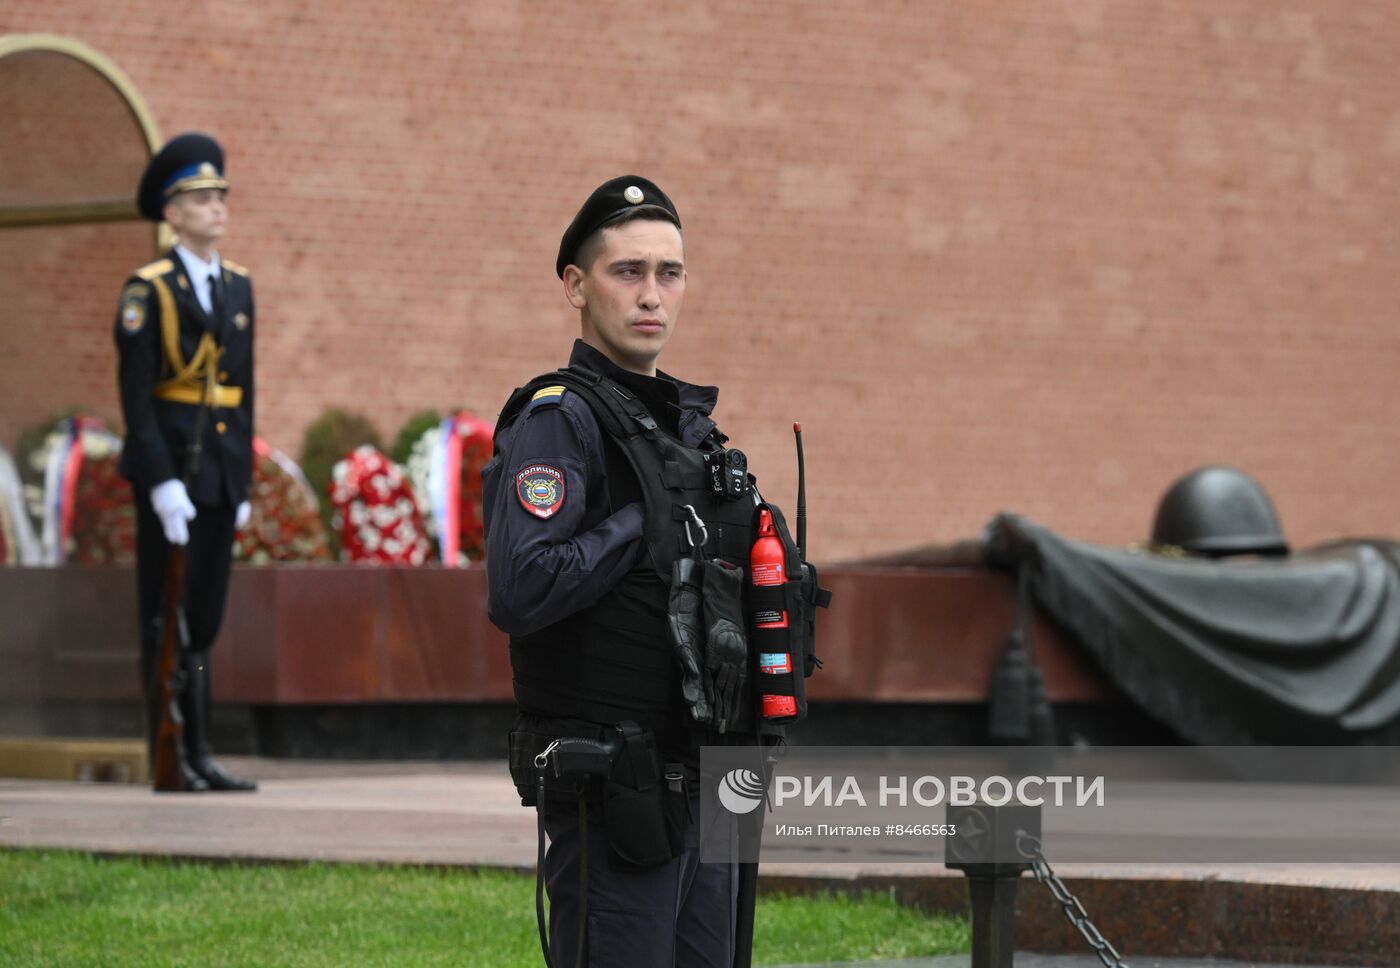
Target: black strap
{"x":539,"y":865}
{"x":539,"y":870}
{"x":582,"y":878}
{"x":625,"y":423}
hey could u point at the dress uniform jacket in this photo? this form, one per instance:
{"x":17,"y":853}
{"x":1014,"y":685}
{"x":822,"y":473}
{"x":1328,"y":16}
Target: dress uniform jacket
{"x":166,"y":342}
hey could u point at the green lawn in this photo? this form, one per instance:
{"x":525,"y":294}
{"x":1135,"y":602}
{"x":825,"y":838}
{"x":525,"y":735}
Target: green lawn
{"x":70,"y":909}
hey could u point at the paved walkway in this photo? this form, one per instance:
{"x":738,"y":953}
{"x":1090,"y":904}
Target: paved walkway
{"x":452,"y":814}
{"x":467,"y":814}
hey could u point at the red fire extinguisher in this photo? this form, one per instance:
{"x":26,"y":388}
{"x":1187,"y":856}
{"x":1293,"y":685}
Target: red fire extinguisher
{"x":767,"y":567}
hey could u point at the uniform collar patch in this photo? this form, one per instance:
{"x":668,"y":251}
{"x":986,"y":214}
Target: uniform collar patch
{"x":540,"y":488}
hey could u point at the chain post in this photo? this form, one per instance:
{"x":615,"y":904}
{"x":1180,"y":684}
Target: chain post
{"x":986,"y":836}
{"x":1030,"y":846}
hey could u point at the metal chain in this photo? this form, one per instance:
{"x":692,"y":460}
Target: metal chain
{"x":1073,"y":909}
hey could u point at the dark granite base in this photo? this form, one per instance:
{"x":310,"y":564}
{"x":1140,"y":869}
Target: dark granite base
{"x":71,"y":718}
{"x":231,"y":725}
{"x":476,"y":731}
{"x":1187,"y":918}
{"x":1026,"y":959}
{"x":457,"y":731}
{"x":384,"y":731}
{"x":965,"y":724}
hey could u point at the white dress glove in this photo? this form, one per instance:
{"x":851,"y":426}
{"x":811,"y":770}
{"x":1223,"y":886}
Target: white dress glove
{"x":173,"y":507}
{"x":241,"y":516}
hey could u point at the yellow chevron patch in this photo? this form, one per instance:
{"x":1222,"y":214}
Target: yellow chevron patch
{"x":155,"y":270}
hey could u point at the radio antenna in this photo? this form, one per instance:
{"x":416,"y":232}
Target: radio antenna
{"x":801,"y":493}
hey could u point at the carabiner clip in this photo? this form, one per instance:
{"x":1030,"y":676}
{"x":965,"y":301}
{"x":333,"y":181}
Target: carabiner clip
{"x":543,"y":758}
{"x":704,"y":532}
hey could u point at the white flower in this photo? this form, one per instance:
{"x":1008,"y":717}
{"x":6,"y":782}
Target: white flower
{"x":99,"y":444}
{"x":420,"y":461}
{"x":39,"y":457}
{"x":34,"y":500}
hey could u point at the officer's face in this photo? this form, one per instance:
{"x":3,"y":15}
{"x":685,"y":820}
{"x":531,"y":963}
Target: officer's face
{"x":630,"y":297}
{"x":198,"y":216}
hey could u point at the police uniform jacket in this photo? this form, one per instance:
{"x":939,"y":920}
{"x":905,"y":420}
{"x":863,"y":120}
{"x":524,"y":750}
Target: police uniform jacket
{"x":546,"y":568}
{"x":167,"y":345}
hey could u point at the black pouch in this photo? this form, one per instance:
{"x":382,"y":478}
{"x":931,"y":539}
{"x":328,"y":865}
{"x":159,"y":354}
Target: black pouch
{"x":776,"y":649}
{"x":727,"y":656}
{"x":812,"y":597}
{"x":677,"y":804}
{"x":520,"y":749}
{"x":532,"y":737}
{"x":638,"y":816}
{"x":799,"y":597}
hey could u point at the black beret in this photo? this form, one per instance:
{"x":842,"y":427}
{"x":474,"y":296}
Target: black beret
{"x":188,"y":161}
{"x":608,"y":203}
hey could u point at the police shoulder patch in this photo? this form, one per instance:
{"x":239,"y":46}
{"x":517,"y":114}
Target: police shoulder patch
{"x":546,"y":396}
{"x":540,"y":488}
{"x":133,"y":307}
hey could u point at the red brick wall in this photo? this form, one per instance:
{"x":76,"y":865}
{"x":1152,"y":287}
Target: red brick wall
{"x":1034,"y":256}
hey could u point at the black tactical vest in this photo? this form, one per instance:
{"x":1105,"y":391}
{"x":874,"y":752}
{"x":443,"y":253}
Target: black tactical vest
{"x":613,"y":662}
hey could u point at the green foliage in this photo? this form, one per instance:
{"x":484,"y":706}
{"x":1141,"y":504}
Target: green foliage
{"x":331,"y":438}
{"x":71,"y":909}
{"x":414,"y":428}
{"x":830,"y":927}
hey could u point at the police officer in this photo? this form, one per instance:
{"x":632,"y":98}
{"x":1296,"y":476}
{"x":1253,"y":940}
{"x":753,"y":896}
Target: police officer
{"x":574,"y":582}
{"x":182,"y":319}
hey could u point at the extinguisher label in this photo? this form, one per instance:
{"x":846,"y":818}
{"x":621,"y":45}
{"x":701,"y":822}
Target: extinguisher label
{"x":774,"y":663}
{"x":767,"y":575}
{"x":776,"y":707}
{"x":770,"y":619}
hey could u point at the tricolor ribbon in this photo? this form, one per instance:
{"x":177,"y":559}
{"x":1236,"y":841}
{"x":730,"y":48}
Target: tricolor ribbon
{"x":459,"y":431}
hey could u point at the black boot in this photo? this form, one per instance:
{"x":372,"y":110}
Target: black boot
{"x":197,"y":728}
{"x":193,"y":782}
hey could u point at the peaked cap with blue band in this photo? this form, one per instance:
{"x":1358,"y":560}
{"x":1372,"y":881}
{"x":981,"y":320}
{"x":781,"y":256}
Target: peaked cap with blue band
{"x":609,"y":202}
{"x":187,"y":162}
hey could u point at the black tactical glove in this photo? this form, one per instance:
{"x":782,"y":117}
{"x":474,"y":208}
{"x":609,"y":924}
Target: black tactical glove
{"x":687,"y":636}
{"x":726,"y":651}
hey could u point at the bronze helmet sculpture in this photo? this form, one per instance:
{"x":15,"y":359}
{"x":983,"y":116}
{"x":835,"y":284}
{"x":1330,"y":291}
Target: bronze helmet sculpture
{"x":1218,"y":511}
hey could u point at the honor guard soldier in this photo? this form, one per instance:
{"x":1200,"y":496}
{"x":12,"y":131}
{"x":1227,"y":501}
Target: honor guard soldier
{"x":607,"y":523}
{"x":184,"y":334}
